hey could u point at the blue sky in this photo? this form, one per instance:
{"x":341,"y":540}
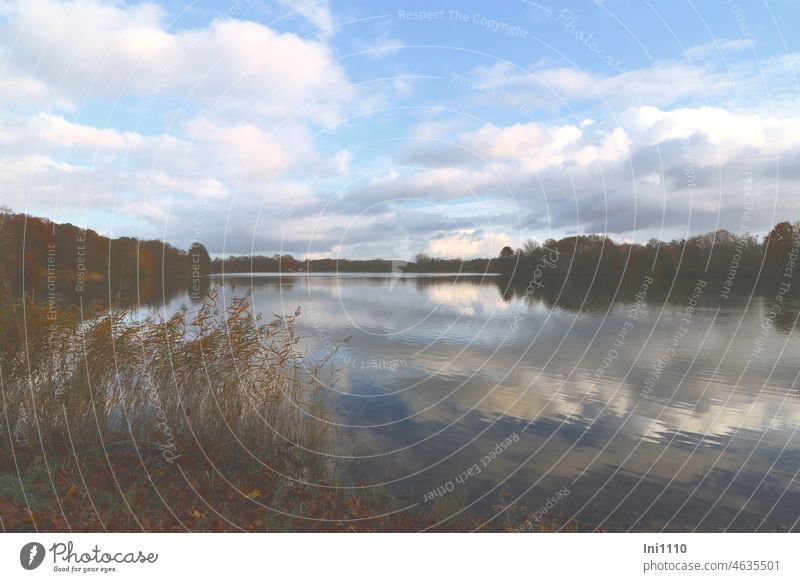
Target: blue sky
{"x":383,"y":129}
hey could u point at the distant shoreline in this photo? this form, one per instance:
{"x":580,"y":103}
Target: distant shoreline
{"x":351,"y":274}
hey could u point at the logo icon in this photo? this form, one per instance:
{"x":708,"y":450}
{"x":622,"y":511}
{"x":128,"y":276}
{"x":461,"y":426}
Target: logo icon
{"x":31,"y":555}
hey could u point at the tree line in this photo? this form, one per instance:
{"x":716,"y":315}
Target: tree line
{"x":716,"y":255}
{"x":38,"y":256}
{"x":288,"y":264}
{"x":34,"y":252}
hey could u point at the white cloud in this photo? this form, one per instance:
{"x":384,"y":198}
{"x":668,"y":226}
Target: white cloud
{"x":240,"y":151}
{"x":537,"y":147}
{"x":317,"y":12}
{"x":727,"y":132}
{"x":88,"y":48}
{"x":241,"y":100}
{"x":467,"y":244}
{"x":194,"y":187}
{"x":631,"y":179}
{"x":341,"y":161}
{"x":743,"y":83}
{"x":558,"y":87}
{"x":59,"y":132}
{"x":227,"y":113}
{"x":384,"y":45}
{"x":715,"y":47}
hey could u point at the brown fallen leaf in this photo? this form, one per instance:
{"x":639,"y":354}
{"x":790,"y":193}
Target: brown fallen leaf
{"x":253,"y":494}
{"x":195,"y":513}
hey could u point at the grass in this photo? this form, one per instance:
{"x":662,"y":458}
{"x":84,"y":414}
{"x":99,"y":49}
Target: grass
{"x":216,"y":376}
{"x":211,"y":420}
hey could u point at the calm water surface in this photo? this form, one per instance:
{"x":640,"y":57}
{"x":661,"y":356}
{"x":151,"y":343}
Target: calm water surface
{"x":436,"y":371}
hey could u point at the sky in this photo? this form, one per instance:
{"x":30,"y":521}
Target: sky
{"x":364,"y":129}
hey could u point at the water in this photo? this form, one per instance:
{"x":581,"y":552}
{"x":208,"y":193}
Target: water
{"x":451,"y":385}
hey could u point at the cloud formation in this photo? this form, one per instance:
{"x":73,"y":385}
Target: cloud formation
{"x":280,"y":143}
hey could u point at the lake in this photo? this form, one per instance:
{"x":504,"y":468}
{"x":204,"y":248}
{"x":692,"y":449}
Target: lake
{"x":635,"y":414}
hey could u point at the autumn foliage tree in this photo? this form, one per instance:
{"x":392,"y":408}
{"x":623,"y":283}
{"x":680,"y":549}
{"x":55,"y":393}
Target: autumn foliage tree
{"x":35,"y":252}
{"x":506,"y":252}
